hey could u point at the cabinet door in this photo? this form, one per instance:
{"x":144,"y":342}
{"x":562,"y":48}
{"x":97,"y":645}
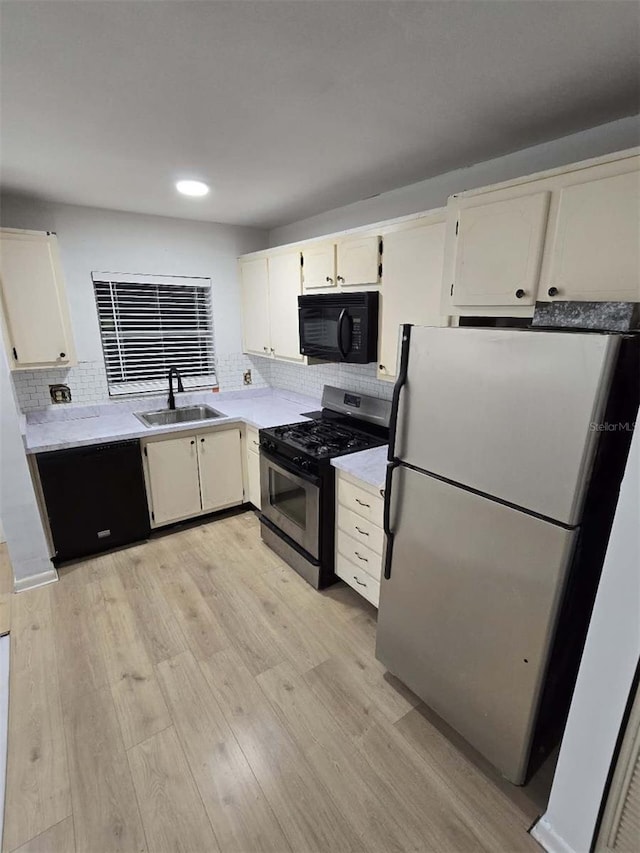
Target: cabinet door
{"x":285,"y":285}
{"x":220,"y":465}
{"x":358,"y":261}
{"x":253,"y":477}
{"x":173,"y":478}
{"x":34,"y":300}
{"x":413,"y":261}
{"x":319,"y":265}
{"x":498,"y":251}
{"x":254,"y":284}
{"x":596,"y":250}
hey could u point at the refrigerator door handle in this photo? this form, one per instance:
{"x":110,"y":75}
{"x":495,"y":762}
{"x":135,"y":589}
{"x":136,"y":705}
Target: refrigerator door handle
{"x":397,"y":391}
{"x":386,"y":518}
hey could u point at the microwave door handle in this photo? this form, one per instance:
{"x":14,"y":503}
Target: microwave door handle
{"x":341,"y":320}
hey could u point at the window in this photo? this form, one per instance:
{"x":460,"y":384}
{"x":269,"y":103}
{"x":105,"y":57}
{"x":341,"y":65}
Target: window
{"x":151,"y":323}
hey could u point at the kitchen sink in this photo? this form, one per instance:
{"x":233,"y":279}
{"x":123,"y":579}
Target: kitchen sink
{"x":179,"y":415}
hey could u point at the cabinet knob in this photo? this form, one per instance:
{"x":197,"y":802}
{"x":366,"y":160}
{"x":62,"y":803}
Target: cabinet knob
{"x":63,"y":355}
{"x":382,"y":367}
{"x":194,"y":441}
{"x":329,"y":279}
{"x":553,"y":291}
{"x":202,"y":441}
{"x":266,"y":349}
{"x":340,"y":278}
{"x":520,"y":293}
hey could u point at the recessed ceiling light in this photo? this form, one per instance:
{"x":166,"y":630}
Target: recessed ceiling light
{"x":192,"y":188}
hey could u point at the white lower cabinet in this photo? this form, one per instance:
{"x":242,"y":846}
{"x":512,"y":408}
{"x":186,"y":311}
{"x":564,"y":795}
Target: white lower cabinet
{"x":359,"y":536}
{"x":174,"y":485}
{"x":220,"y":467}
{"x":360,"y":580}
{"x":193,"y":474}
{"x":252,"y":461}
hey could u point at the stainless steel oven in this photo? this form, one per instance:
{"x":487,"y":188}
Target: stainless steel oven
{"x":291,"y":501}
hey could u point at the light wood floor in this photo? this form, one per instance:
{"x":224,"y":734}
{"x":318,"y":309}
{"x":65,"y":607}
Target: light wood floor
{"x":194,"y":694}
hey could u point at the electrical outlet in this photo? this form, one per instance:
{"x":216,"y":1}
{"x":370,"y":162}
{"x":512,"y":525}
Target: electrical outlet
{"x":246,"y":376}
{"x":60,"y":393}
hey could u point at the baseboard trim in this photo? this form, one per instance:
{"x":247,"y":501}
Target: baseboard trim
{"x":34,"y":581}
{"x":548,"y":838}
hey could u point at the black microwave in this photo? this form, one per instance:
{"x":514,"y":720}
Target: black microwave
{"x":339,"y":326}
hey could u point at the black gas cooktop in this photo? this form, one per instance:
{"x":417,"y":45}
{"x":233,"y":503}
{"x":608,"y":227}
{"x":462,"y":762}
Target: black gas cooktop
{"x":324,"y":438}
{"x":321,"y":439}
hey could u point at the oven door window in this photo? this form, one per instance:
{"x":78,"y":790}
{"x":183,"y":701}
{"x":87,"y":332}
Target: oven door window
{"x":288,"y":498}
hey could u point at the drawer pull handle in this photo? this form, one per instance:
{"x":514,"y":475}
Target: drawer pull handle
{"x":257,"y":443}
{"x":360,"y":583}
{"x":362,"y":503}
{"x":364,"y":559}
{"x":364,"y":532}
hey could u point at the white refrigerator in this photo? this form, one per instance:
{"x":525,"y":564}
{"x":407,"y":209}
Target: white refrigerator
{"x":493,"y":438}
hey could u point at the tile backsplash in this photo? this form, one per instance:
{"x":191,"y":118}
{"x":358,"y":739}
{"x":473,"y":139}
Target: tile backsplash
{"x":88,"y":381}
{"x":310,"y":379}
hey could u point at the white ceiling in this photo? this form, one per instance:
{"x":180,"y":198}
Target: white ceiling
{"x":291,"y":108}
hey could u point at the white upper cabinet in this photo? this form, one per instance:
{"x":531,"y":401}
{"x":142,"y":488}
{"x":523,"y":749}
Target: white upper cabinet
{"x":413,"y":259}
{"x":348,"y":262}
{"x":220,"y":467}
{"x":319,"y":265}
{"x":358,"y":261}
{"x":254,"y":284}
{"x":499,"y":250}
{"x":36,"y":314}
{"x":595,"y":253}
{"x":568,"y":234}
{"x":285,"y":285}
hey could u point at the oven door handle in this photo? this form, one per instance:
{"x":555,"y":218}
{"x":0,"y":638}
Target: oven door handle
{"x":280,"y":463}
{"x":344,"y":315}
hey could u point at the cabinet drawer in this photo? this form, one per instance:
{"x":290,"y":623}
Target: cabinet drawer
{"x":361,"y":529}
{"x":359,"y":580}
{"x":253,"y":442}
{"x":360,"y":501}
{"x":358,"y":554}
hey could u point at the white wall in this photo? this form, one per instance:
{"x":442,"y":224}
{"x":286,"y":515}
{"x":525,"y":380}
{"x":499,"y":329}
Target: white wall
{"x":604,"y":682}
{"x":22,"y":525}
{"x":113,"y":241}
{"x":433,"y":192}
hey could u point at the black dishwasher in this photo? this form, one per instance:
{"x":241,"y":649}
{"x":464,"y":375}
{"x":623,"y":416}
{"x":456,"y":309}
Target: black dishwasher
{"x":95,"y":497}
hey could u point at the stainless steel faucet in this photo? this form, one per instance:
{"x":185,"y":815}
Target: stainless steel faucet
{"x":173,"y":371}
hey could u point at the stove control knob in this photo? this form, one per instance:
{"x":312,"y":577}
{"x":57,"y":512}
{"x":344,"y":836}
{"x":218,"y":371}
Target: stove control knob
{"x":306,"y":464}
{"x":297,"y":460}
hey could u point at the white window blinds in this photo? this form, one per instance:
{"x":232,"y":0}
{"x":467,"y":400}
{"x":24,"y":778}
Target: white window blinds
{"x":151,"y":323}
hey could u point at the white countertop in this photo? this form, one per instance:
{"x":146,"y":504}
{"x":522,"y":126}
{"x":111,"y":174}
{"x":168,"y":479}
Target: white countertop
{"x":370,"y":466}
{"x":77,"y":426}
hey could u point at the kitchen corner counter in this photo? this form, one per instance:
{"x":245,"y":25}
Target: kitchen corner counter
{"x":368,"y":465}
{"x":80,"y":426}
